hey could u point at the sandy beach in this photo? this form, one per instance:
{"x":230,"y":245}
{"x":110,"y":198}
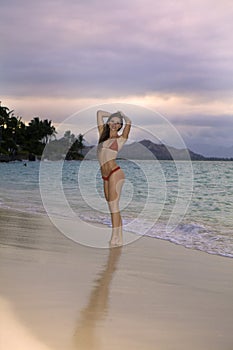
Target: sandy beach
{"x":151,"y":294}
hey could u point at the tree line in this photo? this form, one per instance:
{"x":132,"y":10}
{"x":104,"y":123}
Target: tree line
{"x":27,"y":141}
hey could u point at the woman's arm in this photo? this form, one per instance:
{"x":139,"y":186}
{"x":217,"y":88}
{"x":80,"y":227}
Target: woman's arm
{"x":100,"y":119}
{"x":127,"y":127}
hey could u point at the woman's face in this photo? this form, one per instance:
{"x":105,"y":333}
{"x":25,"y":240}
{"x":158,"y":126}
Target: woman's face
{"x":114,"y":123}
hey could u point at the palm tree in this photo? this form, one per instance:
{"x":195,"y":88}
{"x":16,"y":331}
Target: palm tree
{"x":80,"y":140}
{"x":76,"y":146}
{"x":15,"y":135}
{"x":49,"y":130}
{"x":69,"y":137}
{"x":38,"y":134}
{"x":8,"y":125}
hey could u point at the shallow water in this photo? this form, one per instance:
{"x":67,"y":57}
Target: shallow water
{"x":187,"y":203}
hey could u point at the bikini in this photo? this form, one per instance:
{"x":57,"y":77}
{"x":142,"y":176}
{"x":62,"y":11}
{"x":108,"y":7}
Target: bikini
{"x":108,"y":151}
{"x":106,"y":178}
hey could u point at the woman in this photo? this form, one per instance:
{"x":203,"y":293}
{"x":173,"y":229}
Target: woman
{"x":110,"y":144}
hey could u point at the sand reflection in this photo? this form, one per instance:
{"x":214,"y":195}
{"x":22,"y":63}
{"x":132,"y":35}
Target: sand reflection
{"x":97,"y":307}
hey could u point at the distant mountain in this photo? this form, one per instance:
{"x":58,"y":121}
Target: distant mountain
{"x":212,"y":150}
{"x":164,"y":152}
{"x":148,"y":150}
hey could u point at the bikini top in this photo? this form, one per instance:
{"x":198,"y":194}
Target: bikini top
{"x":109,"y":148}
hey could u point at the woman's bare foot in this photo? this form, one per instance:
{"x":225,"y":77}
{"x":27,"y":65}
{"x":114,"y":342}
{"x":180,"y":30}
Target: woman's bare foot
{"x":116,"y":239}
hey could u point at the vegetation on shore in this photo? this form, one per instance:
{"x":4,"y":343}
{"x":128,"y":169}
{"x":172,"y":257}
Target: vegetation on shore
{"x":19,"y":141}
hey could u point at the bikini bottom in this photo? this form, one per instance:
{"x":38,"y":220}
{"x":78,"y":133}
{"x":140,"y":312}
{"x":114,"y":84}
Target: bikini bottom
{"x":106,"y":178}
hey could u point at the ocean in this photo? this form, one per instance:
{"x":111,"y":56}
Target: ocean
{"x":190,"y":204}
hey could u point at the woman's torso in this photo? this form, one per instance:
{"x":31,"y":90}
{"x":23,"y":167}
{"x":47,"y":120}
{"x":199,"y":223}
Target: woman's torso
{"x":107,"y":153}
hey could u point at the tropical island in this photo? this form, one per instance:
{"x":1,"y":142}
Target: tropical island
{"x":20,"y":141}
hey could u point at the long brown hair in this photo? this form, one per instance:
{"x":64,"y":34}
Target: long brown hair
{"x":106,"y":130}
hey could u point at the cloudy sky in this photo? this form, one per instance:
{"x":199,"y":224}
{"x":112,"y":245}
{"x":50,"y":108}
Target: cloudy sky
{"x":174,"y":57}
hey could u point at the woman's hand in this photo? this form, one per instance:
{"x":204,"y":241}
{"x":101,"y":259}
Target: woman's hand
{"x":100,"y":120}
{"x":127,"y":127}
{"x":127,"y":120}
{"x":122,"y":114}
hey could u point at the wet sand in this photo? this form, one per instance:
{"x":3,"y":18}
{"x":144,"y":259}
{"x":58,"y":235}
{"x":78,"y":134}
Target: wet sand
{"x":151,"y":294}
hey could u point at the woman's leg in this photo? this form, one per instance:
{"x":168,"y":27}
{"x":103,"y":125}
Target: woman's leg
{"x":106,"y":190}
{"x":115,"y":184}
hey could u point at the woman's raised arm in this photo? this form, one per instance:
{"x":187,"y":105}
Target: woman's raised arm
{"x":127,"y":127}
{"x":100,"y":119}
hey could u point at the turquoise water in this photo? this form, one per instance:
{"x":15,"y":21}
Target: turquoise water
{"x":159,"y":199}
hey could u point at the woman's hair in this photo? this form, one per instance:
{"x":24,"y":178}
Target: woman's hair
{"x":106,"y":130}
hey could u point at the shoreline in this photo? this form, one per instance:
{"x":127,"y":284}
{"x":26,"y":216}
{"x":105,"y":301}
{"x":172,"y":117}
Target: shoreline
{"x":131,"y":235}
{"x":37,"y":158}
{"x":150,"y":294}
